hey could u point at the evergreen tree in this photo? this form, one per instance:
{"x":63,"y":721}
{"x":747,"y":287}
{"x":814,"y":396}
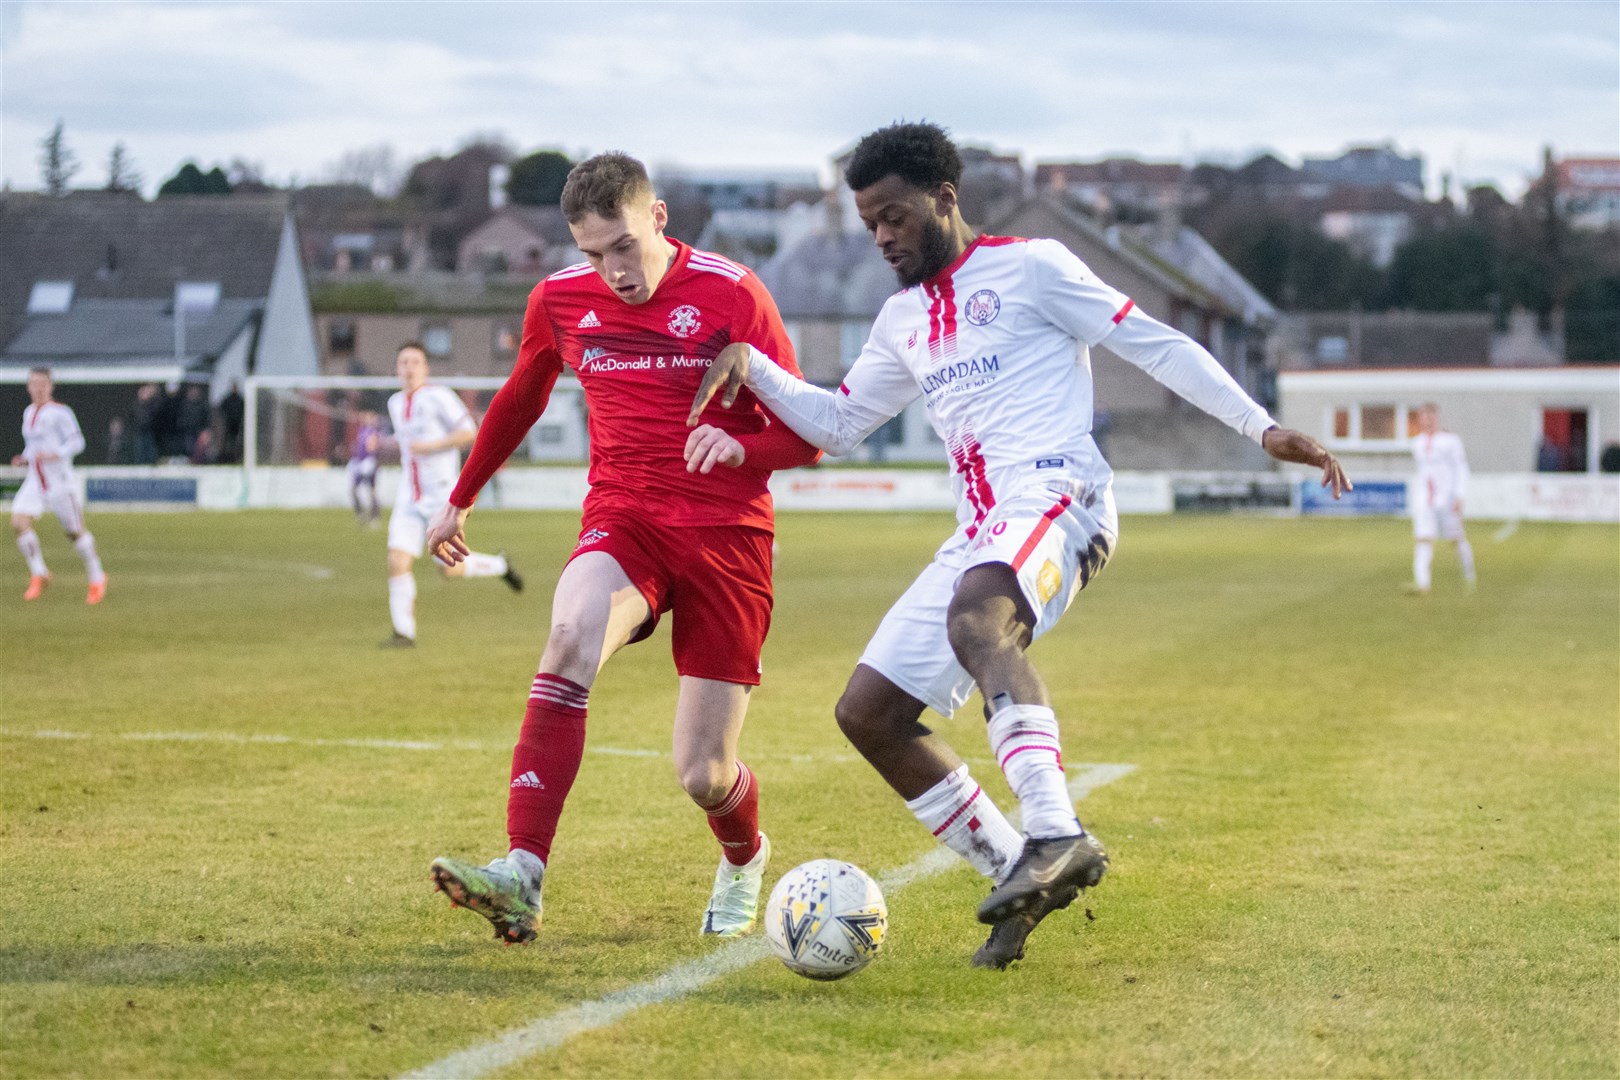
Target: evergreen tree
{"x":191,"y":180}
{"x":121,"y":174}
{"x":537,"y":180}
{"x":57,"y":162}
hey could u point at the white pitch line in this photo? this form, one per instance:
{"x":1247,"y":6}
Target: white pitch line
{"x":548,"y":1032}
{"x":1501,"y":535}
{"x":236,"y":739}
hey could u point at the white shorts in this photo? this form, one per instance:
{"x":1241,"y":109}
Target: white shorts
{"x":1429,"y":522}
{"x":408,"y":524}
{"x":61,"y":499}
{"x":1054,"y":545}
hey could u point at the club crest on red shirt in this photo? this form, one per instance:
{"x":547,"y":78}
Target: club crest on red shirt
{"x":685,"y":320}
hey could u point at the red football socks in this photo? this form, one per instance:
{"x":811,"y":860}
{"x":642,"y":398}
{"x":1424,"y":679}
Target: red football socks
{"x":735,"y":821}
{"x":545,"y":762}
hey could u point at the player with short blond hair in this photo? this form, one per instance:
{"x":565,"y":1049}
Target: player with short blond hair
{"x":993,"y":333}
{"x":638,"y":322}
{"x":51,"y":439}
{"x":1437,"y":510}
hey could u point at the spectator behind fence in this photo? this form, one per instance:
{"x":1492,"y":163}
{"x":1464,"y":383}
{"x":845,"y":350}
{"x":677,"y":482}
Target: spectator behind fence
{"x":148,"y":403}
{"x":166,"y":424}
{"x":191,"y":416}
{"x":118,"y":448}
{"x":204,"y":450}
{"x":231,"y":412}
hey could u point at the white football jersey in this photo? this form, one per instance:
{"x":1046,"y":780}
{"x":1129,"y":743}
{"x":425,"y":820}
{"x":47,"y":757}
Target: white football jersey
{"x":998,"y":346}
{"x":428,"y":415}
{"x":1442,"y":468}
{"x":51,"y":428}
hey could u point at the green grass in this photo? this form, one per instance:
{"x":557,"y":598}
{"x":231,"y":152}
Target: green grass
{"x":1368,"y":834}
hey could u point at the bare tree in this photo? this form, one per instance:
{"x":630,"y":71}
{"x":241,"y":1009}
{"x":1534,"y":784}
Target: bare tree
{"x":121,"y":172}
{"x":57,"y":163}
{"x":247,"y":176}
{"x":374,"y":167}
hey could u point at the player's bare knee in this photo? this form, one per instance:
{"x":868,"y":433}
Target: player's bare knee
{"x":571,"y":652}
{"x":867,"y":725}
{"x":705,"y":780}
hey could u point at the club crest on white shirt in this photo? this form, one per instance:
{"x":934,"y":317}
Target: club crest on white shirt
{"x":685,"y":320}
{"x":982,"y":307}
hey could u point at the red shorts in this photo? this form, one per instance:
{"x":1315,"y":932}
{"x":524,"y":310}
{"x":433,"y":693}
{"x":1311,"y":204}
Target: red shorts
{"x":716,"y":579}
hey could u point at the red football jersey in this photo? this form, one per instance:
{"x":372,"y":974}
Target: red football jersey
{"x":640,"y":366}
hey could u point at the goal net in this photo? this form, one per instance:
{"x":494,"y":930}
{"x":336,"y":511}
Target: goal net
{"x":313,"y":421}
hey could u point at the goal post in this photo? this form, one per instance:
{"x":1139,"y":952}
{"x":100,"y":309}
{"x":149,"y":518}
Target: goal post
{"x":311,"y":420}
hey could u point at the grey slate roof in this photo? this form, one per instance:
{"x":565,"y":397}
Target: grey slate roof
{"x":121,"y":331}
{"x":826,"y":275}
{"x":120,"y":247}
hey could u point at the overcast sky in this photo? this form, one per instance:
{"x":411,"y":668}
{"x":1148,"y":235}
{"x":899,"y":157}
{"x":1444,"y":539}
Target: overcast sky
{"x":1477,"y":88}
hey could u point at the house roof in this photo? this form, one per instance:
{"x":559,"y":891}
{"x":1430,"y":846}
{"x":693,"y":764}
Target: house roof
{"x":1108,"y":171}
{"x":121,"y":247}
{"x":1197,"y":258}
{"x":827,"y":275}
{"x":1152,"y":265}
{"x":115,"y":332}
{"x":546,"y":223}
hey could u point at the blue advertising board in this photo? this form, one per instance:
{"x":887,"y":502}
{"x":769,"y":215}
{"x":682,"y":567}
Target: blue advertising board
{"x":1373,"y":497}
{"x":138,"y":489}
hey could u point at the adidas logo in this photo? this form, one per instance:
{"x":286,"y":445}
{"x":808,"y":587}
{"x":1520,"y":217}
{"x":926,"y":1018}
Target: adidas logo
{"x":528,"y":779}
{"x":589,"y":321}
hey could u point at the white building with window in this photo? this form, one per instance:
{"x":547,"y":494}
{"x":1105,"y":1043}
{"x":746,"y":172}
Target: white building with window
{"x":1511,"y":420}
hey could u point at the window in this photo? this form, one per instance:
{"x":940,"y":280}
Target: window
{"x":852,"y":336}
{"x":1563,"y":441}
{"x":1332,"y":350}
{"x":196,"y":297}
{"x":340,"y":335}
{"x":50,"y":297}
{"x":1378,"y":422}
{"x":436,"y":339}
{"x":506,"y":339}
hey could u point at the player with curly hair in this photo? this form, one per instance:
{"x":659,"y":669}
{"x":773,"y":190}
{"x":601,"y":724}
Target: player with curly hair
{"x":994,"y":334}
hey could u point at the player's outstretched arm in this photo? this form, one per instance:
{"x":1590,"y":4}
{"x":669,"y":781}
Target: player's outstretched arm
{"x":727,"y":372}
{"x":447,"y":534}
{"x":1286,"y":444}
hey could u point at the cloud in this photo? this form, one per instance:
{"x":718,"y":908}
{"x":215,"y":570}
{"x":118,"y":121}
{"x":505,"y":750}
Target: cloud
{"x":790,"y":84}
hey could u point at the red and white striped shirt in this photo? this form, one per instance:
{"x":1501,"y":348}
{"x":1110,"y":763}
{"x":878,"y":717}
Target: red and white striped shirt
{"x":997,"y":344}
{"x":51,"y":428}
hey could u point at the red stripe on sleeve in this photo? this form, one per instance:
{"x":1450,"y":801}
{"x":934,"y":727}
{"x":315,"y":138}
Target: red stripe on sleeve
{"x":1119,"y":316}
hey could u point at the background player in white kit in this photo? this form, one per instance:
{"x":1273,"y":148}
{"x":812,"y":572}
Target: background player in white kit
{"x":51,"y":439}
{"x":1437,"y":509}
{"x":993,"y":333}
{"x":431,"y":425}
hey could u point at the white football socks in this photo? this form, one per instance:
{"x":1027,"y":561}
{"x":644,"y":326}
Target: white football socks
{"x":402,"y":604}
{"x":478,"y":565}
{"x":1465,"y":555}
{"x":85,"y":545}
{"x":28,"y":544}
{"x":961,"y":815}
{"x":1422,"y":564}
{"x":1024,"y":739}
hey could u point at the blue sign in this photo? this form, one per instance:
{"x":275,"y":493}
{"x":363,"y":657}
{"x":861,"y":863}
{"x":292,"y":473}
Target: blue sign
{"x":159,"y":489}
{"x":1373,"y":497}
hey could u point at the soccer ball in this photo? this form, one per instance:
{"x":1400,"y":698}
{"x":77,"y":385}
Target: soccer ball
{"x":826,"y":919}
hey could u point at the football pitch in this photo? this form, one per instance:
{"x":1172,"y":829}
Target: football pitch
{"x":1354,"y":833}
